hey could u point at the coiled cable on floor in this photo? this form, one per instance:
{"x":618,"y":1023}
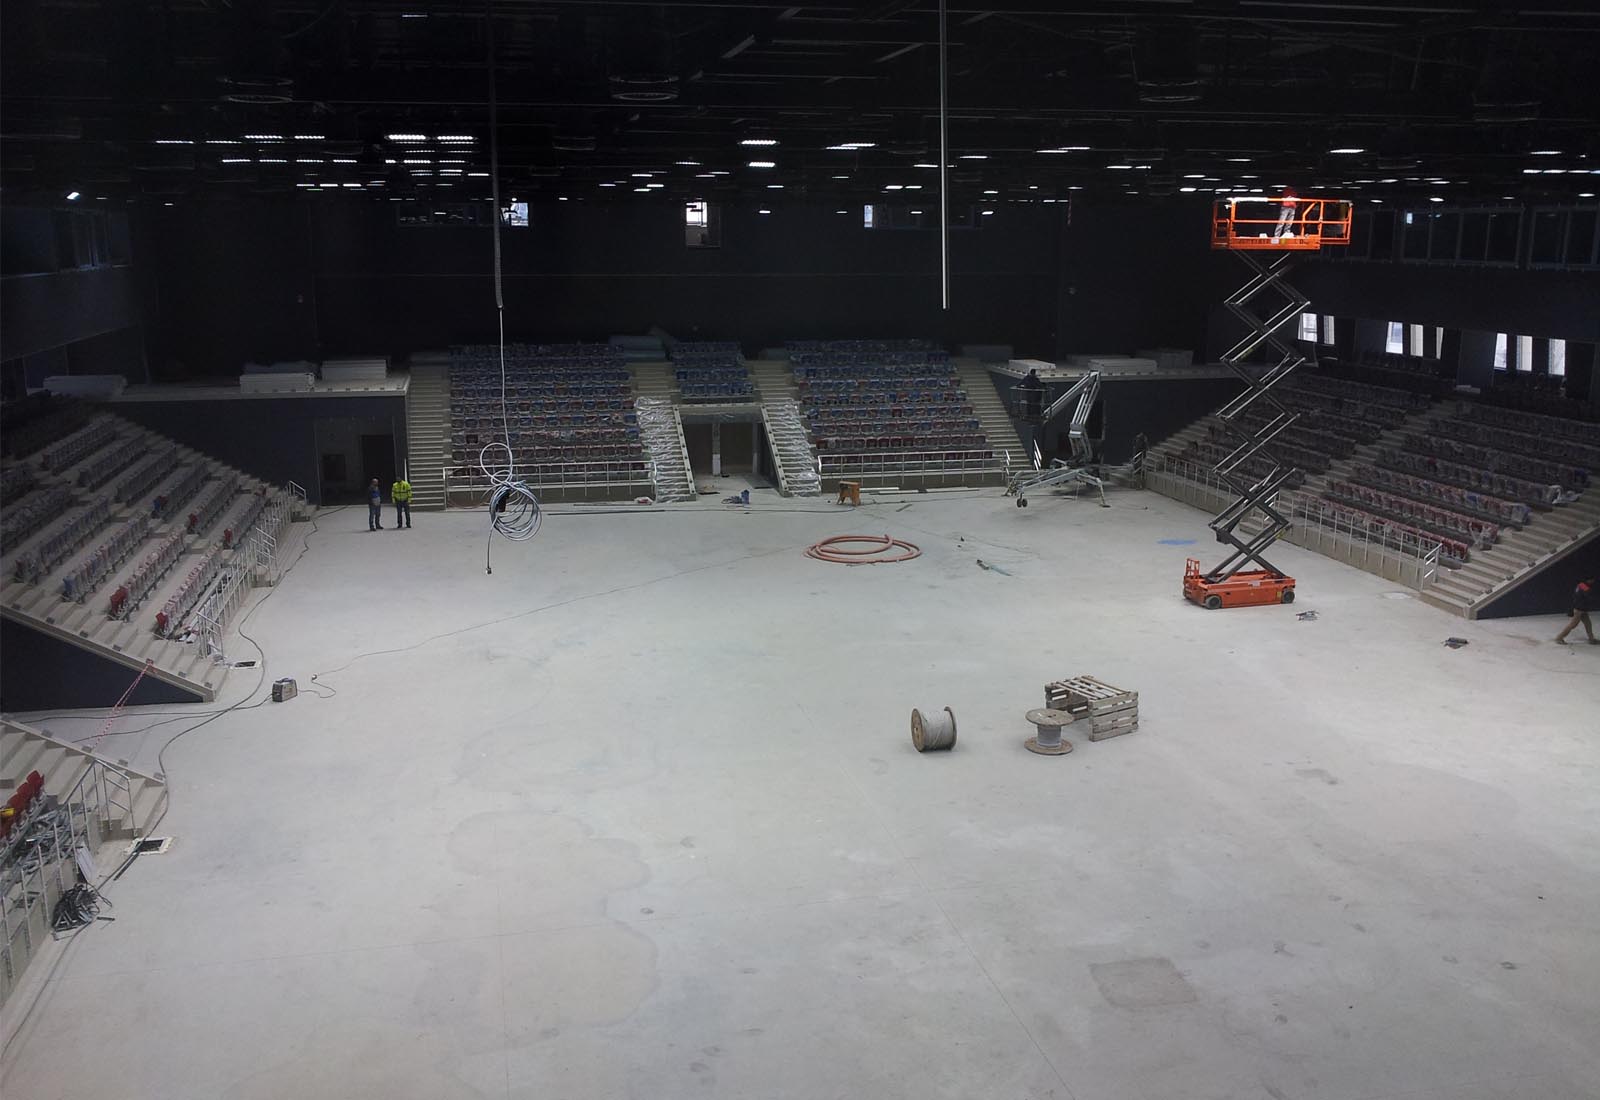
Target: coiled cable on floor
{"x":863,"y":550}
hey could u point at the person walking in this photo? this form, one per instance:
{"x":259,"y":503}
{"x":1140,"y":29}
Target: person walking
{"x":400,"y":493}
{"x":374,"y":506}
{"x":1582,"y":604}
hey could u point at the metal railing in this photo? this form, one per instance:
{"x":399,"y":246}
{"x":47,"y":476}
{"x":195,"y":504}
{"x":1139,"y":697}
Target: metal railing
{"x":1327,"y":528}
{"x":921,"y":464}
{"x":39,"y":865}
{"x":565,"y":475}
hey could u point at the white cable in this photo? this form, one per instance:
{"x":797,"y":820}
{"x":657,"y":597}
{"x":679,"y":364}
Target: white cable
{"x":513,"y":509}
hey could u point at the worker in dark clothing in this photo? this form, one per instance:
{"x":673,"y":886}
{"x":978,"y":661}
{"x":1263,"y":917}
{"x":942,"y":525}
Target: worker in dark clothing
{"x":1582,"y":604}
{"x":374,"y":506}
{"x":1032,"y":388}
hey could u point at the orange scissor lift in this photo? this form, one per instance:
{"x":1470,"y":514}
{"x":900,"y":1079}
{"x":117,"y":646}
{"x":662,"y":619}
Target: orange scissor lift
{"x":1283,"y":227}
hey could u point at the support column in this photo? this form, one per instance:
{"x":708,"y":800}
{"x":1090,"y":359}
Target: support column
{"x":716,"y":447}
{"x":755,"y":447}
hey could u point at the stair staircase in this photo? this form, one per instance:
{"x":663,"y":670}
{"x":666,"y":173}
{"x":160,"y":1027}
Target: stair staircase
{"x":661,"y":431}
{"x":427,"y":434}
{"x":109,"y":801}
{"x":993,"y":417}
{"x":786,"y":428}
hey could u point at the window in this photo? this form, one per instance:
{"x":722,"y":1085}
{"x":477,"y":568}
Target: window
{"x":514,"y":214}
{"x":1327,"y":328}
{"x":1395,"y":344}
{"x":869,"y":216}
{"x":1416,"y":342}
{"x":702,"y":224}
{"x":1438,"y":342}
{"x":1525,"y":353}
{"x":1308,"y":327}
{"x":1499,"y":351}
{"x":1558,"y":358}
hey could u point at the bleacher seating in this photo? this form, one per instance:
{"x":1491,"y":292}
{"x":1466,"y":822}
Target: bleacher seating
{"x":78,"y":445}
{"x":15,"y":482}
{"x":145,"y":478}
{"x":145,"y":576}
{"x":81,"y":581}
{"x":865,"y":400}
{"x":233,"y":534}
{"x":174,"y":613}
{"x":111,"y":462}
{"x":711,"y":371}
{"x":570,"y":412}
{"x":1542,"y":394}
{"x":56,"y":545}
{"x":1496,"y":460}
{"x":36,"y":510}
{"x":209,"y":506}
{"x":1578,"y":457}
{"x":43,"y":430}
{"x":1508,"y":513}
{"x":1583,"y":431}
{"x":1383,"y":528}
{"x":180,"y":493}
{"x":1469,"y":477}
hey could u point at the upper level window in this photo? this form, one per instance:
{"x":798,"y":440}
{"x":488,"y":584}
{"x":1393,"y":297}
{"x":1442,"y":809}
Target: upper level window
{"x":1308,"y":326}
{"x":1558,"y":358}
{"x":702,"y":224}
{"x":1499,"y":351}
{"x":1395,"y":344}
{"x":1525,"y":353}
{"x":1327,"y":328}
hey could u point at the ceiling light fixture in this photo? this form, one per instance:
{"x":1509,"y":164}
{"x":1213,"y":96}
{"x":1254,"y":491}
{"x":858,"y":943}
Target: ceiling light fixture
{"x":974,"y":156}
{"x":456,"y":139}
{"x":991,"y":192}
{"x":758,"y":142}
{"x":774,"y":187}
{"x":687,"y":163}
{"x":173,"y":141}
{"x":763,"y":210}
{"x":987,"y":213}
{"x":1434,"y":198}
{"x":310,"y":137}
{"x":263,"y":137}
{"x":1545,"y":153}
{"x":73,"y":196}
{"x":1347,"y":150}
{"x":401,"y":137}
{"x":235,"y":160}
{"x":763,"y":164}
{"x":1066,"y":149}
{"x":223,"y":141}
{"x":1238,"y":160}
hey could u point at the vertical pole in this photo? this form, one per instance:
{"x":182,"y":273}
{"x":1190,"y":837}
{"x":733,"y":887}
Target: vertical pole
{"x":944,"y":164}
{"x":716,"y":447}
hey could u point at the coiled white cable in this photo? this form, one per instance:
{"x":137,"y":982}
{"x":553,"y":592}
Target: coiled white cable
{"x":513,"y":509}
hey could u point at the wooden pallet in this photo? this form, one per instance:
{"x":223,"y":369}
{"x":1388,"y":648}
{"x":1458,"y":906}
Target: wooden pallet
{"x":1111,"y":711}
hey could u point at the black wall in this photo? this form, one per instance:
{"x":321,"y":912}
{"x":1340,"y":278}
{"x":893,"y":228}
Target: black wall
{"x":1534,"y":303}
{"x":1549,"y":591}
{"x":42,"y":672}
{"x":271,"y":438}
{"x":314,"y":278}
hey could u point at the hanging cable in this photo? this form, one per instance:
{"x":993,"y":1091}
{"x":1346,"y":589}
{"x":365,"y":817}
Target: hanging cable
{"x":513,"y":509}
{"x":944,"y":163}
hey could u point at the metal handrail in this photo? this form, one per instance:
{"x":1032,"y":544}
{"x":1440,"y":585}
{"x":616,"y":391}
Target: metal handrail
{"x":933,"y":462}
{"x":1415,"y":561}
{"x":571,"y":475}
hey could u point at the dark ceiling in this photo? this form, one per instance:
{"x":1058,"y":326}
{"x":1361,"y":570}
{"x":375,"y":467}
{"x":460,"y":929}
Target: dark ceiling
{"x":173,"y":99}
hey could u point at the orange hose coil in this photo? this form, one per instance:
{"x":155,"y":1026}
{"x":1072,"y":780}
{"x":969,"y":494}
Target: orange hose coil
{"x":871,"y":546}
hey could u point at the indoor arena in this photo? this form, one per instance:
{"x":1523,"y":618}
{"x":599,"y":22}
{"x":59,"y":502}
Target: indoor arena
{"x":1038,"y":552}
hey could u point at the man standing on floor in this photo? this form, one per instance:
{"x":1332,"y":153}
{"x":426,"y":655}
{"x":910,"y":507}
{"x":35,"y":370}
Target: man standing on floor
{"x":1582,"y":604}
{"x":374,"y":506}
{"x":400,"y":493}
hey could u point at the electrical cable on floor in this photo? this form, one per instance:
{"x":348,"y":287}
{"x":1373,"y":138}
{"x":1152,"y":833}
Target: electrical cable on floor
{"x":161,"y":767}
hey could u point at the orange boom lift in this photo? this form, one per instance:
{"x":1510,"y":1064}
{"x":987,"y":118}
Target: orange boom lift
{"x":1282,"y":227}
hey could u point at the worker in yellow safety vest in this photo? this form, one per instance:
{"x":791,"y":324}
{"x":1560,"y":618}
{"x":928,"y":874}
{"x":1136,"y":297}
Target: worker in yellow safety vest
{"x":400,"y":493}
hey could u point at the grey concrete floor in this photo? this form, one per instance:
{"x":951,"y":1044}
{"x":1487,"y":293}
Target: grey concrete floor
{"x":638,"y":816}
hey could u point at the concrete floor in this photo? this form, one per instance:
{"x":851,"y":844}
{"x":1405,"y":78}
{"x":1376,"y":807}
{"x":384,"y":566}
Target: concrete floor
{"x":639,"y":816}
